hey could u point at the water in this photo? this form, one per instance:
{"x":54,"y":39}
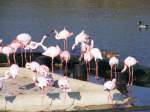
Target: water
{"x":113,"y":25}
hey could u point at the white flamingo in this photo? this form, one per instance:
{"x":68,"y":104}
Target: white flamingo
{"x":129,"y":62}
{"x":96,"y":53}
{"x":110,"y":85}
{"x":7,"y":50}
{"x":87,"y":58}
{"x":64,"y":34}
{"x":81,"y":37}
{"x":64,"y":86}
{"x":52,"y":52}
{"x":65,"y":56}
{"x":24,"y":39}
{"x":113,"y":62}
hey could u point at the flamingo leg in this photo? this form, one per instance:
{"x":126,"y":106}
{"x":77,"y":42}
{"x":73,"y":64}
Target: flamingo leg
{"x":14,"y":57}
{"x":52,"y":66}
{"x":66,"y":66}
{"x":30,"y":55}
{"x":115,"y":72}
{"x":65,"y":44}
{"x":97,"y":70}
{"x":87,"y":70}
{"x":111,"y":73}
{"x":22,"y":57}
{"x":8,"y":60}
{"x":129,"y":76}
{"x":25,"y":52}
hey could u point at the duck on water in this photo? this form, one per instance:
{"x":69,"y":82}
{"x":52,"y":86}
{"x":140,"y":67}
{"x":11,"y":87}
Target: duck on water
{"x":142,"y":26}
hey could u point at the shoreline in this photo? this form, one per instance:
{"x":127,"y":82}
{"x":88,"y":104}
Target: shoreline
{"x":83,"y":94}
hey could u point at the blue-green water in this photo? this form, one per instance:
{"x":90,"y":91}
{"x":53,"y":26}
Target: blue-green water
{"x":112,"y":24}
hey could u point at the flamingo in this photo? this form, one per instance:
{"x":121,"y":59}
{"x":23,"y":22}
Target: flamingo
{"x":34,"y":66}
{"x":113,"y":62}
{"x":43,"y":70}
{"x":81,"y":37}
{"x":24,"y":39}
{"x":65,"y":56}
{"x":64,"y":86}
{"x":1,"y":40}
{"x":12,"y":73}
{"x":110,"y":85}
{"x":34,"y":45}
{"x":15,"y":45}
{"x":64,"y":34}
{"x":52,"y":52}
{"x":7,"y":50}
{"x":87,"y":58}
{"x":86,"y":46}
{"x":96,"y":53}
{"x":129,"y":62}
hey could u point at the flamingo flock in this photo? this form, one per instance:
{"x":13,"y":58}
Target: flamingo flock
{"x":41,"y":73}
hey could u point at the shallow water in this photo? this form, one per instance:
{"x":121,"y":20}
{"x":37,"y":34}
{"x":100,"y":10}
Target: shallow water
{"x":113,"y":25}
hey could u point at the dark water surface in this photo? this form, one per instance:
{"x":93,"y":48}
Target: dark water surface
{"x":112,"y":24}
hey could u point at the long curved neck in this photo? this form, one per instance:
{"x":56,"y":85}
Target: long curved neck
{"x":124,"y":69}
{"x":56,"y":34}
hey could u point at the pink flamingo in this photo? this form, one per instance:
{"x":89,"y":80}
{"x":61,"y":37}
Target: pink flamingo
{"x":81,"y":37}
{"x":64,"y":34}
{"x":34,"y":45}
{"x":43,"y":83}
{"x":87,"y":58}
{"x":65,"y":56}
{"x":24,"y":39}
{"x":64,"y":86}
{"x":96,"y":53}
{"x":110,"y":85}
{"x":7,"y":50}
{"x":15,"y":45}
{"x":34,"y":66}
{"x":129,"y":62}
{"x":52,"y":52}
{"x":113,"y":62}
{"x":43,"y":70}
{"x":12,"y":73}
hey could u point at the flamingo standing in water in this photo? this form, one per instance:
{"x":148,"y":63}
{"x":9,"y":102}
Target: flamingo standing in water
{"x":110,"y":85}
{"x":87,"y":58}
{"x":64,"y":34}
{"x":64,"y":86}
{"x":96,"y":53}
{"x":52,"y":52}
{"x":65,"y":56}
{"x":15,"y":45}
{"x":24,"y":39}
{"x":129,"y":62}
{"x":81,"y":37}
{"x":7,"y":50}
{"x":113,"y":62}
